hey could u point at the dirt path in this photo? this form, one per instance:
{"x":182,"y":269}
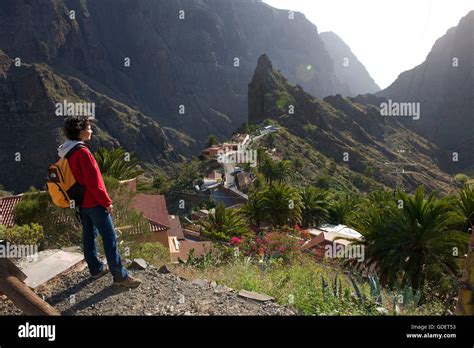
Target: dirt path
{"x":159,"y":294}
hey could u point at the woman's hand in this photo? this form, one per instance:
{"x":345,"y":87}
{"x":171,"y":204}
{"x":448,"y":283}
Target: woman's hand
{"x":110,"y":209}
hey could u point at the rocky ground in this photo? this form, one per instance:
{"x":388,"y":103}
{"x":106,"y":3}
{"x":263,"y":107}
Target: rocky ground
{"x":159,"y":294}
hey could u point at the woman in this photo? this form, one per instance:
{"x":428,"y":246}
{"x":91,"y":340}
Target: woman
{"x":96,"y":207}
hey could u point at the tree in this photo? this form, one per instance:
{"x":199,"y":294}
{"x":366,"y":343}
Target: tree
{"x":212,"y":140}
{"x":275,"y":171}
{"x":412,"y":242}
{"x":117,"y":163}
{"x":465,"y":206}
{"x":268,"y":170}
{"x":161,"y":182}
{"x":315,"y":206}
{"x":340,"y":209}
{"x":270,"y":141}
{"x":282,"y":205}
{"x":189,"y":172}
{"x":282,"y":171}
{"x":254,"y":210}
{"x":298,"y":164}
{"x":224,"y":224}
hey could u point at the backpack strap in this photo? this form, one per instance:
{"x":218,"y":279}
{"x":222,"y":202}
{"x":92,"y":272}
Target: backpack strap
{"x":78,"y":146}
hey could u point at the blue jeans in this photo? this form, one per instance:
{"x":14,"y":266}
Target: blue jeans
{"x":97,"y":220}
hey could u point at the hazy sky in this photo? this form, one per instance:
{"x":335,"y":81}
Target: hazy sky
{"x":387,"y":36}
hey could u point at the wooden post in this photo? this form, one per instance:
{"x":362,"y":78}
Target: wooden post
{"x":11,"y":284}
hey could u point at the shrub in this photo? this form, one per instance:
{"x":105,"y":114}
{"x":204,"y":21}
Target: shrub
{"x":60,"y":226}
{"x":25,"y":235}
{"x":461,"y":179}
{"x":273,"y":245}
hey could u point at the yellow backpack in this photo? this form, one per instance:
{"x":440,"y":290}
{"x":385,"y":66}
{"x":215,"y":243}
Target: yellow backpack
{"x":63,"y":188}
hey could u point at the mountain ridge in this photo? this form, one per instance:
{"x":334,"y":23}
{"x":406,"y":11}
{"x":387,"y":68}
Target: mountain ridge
{"x":340,"y":127}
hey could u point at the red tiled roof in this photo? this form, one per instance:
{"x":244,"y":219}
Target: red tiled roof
{"x":175,"y":227}
{"x":153,"y":208}
{"x":7,"y":205}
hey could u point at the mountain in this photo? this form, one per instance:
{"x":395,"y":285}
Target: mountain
{"x":444,"y":86}
{"x":142,"y":62}
{"x":344,"y":132}
{"x":173,"y":62}
{"x":347,"y":67}
{"x":31,"y":131}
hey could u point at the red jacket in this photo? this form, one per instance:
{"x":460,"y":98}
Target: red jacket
{"x":87,"y":173}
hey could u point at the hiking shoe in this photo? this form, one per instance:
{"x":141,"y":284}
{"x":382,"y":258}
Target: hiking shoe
{"x":129,"y":282}
{"x":105,"y":270}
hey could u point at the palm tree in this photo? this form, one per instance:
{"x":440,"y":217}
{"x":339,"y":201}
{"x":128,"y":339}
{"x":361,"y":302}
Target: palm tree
{"x":268,"y":170}
{"x":275,"y":171}
{"x":465,"y":205}
{"x":412,"y":245}
{"x":254,"y":210}
{"x":282,"y":205}
{"x":212,"y":140}
{"x":117,"y":163}
{"x":282,"y":171}
{"x":315,"y":206}
{"x":341,"y":208}
{"x":224,"y":224}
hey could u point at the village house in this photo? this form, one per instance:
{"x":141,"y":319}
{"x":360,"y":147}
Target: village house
{"x":243,"y":181}
{"x":326,"y":235}
{"x":238,"y":142}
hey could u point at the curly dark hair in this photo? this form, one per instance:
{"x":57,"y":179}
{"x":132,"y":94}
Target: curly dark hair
{"x":74,"y":125}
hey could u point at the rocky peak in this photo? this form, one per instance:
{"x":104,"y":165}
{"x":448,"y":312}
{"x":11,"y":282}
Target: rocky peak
{"x":264,"y":64}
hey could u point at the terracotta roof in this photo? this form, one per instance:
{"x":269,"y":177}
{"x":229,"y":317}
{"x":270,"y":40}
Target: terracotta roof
{"x":326,"y":237}
{"x":175,"y":227}
{"x":153,"y":208}
{"x":7,"y":204}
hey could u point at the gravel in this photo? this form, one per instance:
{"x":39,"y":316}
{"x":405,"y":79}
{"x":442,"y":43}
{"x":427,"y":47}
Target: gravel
{"x":159,"y":294}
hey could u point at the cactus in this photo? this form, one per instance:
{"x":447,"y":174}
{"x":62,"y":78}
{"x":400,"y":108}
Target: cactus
{"x":408,"y":297}
{"x":334,"y":286}
{"x":417,"y":298}
{"x":324,"y":285}
{"x":375,"y":290}
{"x":357,"y":289}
